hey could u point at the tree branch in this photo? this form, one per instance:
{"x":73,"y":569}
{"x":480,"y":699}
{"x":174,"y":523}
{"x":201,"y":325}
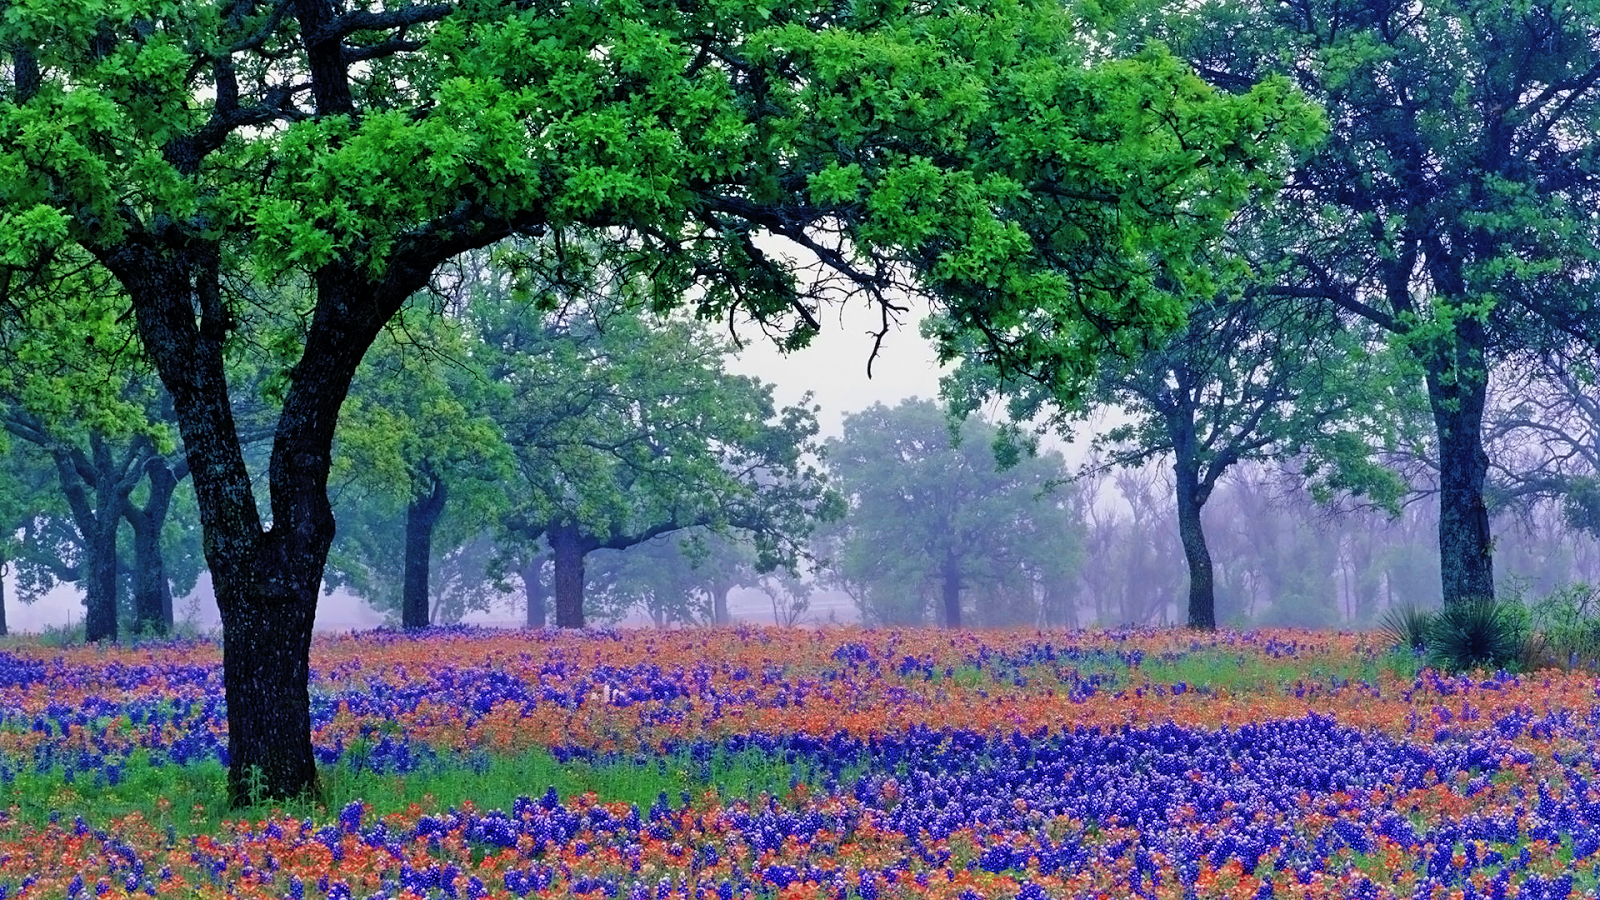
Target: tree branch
{"x":365,"y":20}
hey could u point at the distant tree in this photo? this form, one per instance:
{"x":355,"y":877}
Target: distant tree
{"x":626,"y":429}
{"x":1285,"y":557}
{"x":529,"y":562}
{"x":1247,"y":378}
{"x":790,"y":596}
{"x":1138,"y":575}
{"x":932,"y":521}
{"x":148,"y":517}
{"x":421,"y":431}
{"x":74,"y":387}
{"x":1542,"y":435}
{"x":676,"y":579}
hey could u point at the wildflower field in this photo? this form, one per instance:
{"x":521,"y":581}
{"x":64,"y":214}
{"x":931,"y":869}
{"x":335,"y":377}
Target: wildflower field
{"x":809,"y":764}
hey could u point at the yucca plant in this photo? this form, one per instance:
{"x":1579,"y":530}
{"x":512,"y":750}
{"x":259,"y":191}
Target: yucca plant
{"x":1406,"y":628}
{"x":1476,"y":634}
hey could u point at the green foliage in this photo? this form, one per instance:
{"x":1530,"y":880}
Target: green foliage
{"x":1450,"y":207}
{"x":1491,"y":634}
{"x":1566,"y":627}
{"x":962,"y":141}
{"x":1404,"y":665}
{"x":1477,"y":634}
{"x":627,"y":426}
{"x":923,"y":509}
{"x":1005,"y":165}
{"x":1407,"y":628}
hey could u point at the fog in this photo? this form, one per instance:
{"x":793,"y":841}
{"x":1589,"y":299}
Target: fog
{"x":834,"y":367}
{"x":1281,"y":559}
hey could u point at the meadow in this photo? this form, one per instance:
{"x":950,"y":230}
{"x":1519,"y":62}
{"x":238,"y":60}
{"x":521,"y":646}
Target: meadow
{"x":837,"y":763}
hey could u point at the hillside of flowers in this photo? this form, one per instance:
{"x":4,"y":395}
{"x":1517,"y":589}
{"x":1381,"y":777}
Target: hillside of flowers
{"x":913,"y":763}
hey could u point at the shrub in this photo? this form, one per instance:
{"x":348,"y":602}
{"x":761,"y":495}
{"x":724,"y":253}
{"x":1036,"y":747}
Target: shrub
{"x":1406,"y":627}
{"x":1566,"y":625}
{"x":1475,"y":634}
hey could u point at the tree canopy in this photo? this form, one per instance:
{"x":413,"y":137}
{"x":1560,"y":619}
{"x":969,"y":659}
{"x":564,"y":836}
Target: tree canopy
{"x":625,"y":429}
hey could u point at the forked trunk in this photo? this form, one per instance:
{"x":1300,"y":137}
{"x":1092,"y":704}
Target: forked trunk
{"x":152,"y":594}
{"x":96,"y":488}
{"x":267,"y":579}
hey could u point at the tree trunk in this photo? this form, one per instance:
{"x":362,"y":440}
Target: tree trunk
{"x":719,"y":602}
{"x":950,"y":578}
{"x":152,"y":594}
{"x":422,"y":514}
{"x":533,"y":589}
{"x":5,"y":564}
{"x":266,"y":655}
{"x":1466,"y":545}
{"x":1202,"y":579}
{"x":267,"y":580}
{"x":100,"y":591}
{"x":1193,"y":489}
{"x":1058,"y":605}
{"x":569,"y":547}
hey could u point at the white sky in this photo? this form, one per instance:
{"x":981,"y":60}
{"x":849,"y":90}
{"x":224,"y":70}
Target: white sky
{"x":834,"y":366}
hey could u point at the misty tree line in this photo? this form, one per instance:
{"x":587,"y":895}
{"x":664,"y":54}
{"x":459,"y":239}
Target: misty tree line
{"x":1110,"y":553}
{"x":915,"y":526}
{"x":1284,"y":559}
{"x":506,"y":422}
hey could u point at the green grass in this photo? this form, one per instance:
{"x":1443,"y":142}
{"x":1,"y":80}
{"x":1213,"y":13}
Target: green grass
{"x":1206,"y":669}
{"x":195,"y":797}
{"x":1218,"y":669}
